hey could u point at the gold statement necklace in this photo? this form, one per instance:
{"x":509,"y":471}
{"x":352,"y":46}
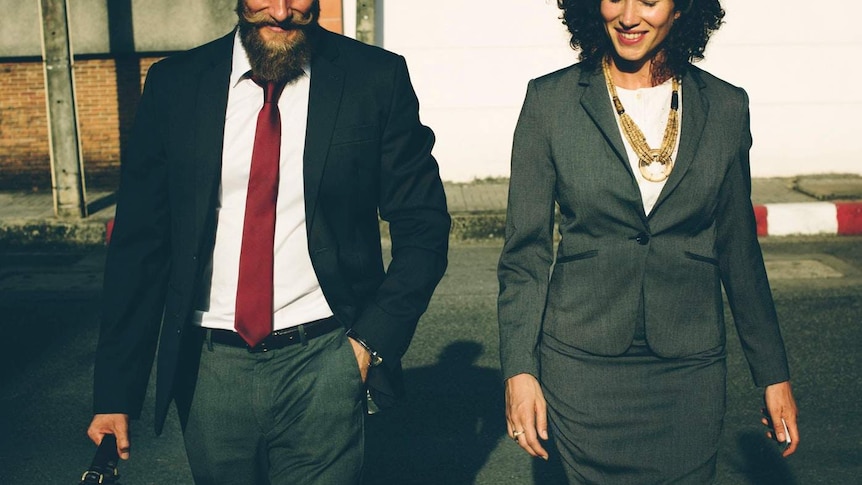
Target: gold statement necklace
{"x":655,"y":164}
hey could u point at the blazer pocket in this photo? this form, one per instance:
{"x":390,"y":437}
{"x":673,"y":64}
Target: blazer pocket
{"x":577,"y":257}
{"x":702,"y":259}
{"x":354,"y":134}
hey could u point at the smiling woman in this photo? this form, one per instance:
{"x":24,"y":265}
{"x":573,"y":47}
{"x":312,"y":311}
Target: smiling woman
{"x":646,"y":157}
{"x":637,"y":30}
{"x":693,"y":23}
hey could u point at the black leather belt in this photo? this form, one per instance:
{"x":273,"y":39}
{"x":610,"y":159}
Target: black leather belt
{"x":279,"y":338}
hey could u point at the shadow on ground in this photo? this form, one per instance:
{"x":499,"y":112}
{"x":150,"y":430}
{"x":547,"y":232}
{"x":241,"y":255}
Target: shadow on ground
{"x":761,"y":461}
{"x":445,"y":429}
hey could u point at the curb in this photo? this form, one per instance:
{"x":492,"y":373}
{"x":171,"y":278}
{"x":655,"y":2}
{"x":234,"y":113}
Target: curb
{"x":809,"y":218}
{"x":779,"y":219}
{"x":52,"y":233}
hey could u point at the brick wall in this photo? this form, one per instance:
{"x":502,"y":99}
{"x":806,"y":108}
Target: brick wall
{"x":103,"y":119}
{"x":23,"y":126}
{"x":107,"y":91}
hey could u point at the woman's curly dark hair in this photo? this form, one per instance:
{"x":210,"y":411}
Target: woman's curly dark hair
{"x":685,"y":43}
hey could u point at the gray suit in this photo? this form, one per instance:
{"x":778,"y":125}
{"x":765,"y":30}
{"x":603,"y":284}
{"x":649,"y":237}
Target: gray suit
{"x":615,"y":266}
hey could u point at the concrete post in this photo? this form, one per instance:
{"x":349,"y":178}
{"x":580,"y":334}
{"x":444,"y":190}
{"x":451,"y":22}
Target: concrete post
{"x":365,"y":20}
{"x":67,"y":171}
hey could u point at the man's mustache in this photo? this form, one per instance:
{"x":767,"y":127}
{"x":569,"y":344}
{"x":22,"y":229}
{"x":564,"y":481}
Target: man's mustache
{"x":296,"y":19}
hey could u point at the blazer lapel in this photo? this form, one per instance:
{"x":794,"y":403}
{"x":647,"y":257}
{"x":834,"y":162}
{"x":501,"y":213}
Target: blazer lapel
{"x":208,"y":119}
{"x":327,"y":85}
{"x":695,"y":109}
{"x":597,"y":104}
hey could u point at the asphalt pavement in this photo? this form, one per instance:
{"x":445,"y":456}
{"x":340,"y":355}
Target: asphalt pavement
{"x":450,"y":428}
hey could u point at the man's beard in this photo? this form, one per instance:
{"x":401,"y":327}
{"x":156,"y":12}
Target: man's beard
{"x":278,"y":59}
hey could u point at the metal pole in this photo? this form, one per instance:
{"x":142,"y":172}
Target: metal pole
{"x":67,"y":171}
{"x":365,"y":15}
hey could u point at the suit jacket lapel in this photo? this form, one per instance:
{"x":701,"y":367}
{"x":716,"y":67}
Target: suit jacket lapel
{"x":695,"y":108}
{"x":596,"y":103}
{"x":208,"y":119}
{"x":327,"y":84}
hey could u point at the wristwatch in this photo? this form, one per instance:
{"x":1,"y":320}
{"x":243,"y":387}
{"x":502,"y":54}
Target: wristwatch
{"x":376,"y":359}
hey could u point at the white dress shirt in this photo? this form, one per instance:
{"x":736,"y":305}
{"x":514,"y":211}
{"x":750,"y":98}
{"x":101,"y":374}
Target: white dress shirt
{"x":298,"y":297}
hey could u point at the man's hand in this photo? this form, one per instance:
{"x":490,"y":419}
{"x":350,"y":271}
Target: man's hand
{"x":526,"y":414}
{"x":115,"y":424}
{"x":363,"y":358}
{"x":780,"y":405}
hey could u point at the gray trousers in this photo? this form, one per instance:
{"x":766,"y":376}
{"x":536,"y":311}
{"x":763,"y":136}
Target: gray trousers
{"x":288,"y":416}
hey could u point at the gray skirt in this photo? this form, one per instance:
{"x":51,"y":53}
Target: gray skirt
{"x":635,"y":418}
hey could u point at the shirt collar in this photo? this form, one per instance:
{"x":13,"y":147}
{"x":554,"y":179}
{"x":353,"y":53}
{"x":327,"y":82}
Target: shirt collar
{"x":240,"y":67}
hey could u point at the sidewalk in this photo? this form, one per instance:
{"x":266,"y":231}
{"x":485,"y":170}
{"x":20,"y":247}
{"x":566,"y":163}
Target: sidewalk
{"x":805,"y":205}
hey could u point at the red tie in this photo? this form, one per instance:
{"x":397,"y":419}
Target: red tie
{"x":254,"y":288}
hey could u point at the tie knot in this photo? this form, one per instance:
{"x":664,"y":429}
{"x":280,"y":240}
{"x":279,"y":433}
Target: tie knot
{"x":271,"y":90}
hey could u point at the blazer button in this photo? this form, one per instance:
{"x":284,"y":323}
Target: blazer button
{"x":642,"y":239}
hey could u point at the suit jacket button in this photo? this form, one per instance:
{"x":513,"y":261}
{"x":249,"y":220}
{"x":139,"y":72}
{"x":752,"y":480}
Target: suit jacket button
{"x":642,"y":239}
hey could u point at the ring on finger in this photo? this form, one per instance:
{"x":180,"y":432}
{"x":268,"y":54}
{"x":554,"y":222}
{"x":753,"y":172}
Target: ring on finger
{"x":516,"y":434}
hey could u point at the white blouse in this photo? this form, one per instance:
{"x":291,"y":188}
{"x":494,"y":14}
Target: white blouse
{"x":649,"y":108}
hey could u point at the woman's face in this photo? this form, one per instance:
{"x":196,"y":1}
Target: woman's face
{"x":637,"y":28}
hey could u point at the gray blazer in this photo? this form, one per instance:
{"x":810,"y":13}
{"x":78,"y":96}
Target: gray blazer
{"x":614,"y":264}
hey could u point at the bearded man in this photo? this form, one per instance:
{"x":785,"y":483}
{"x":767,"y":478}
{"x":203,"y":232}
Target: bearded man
{"x":246,"y":246}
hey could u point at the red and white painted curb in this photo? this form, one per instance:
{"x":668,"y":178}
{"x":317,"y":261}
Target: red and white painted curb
{"x":809,"y":218}
{"x":783,"y":219}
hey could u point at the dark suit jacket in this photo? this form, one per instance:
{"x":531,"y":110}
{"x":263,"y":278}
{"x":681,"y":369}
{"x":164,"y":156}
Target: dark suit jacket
{"x":614,"y":264}
{"x":365,"y":153}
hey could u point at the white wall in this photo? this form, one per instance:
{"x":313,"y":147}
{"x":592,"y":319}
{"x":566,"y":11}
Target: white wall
{"x":470,"y":61}
{"x":799,"y":62}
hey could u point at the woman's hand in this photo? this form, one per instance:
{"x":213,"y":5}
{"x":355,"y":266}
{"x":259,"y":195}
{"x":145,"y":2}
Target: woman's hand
{"x":780,"y":405}
{"x":526,"y":414}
